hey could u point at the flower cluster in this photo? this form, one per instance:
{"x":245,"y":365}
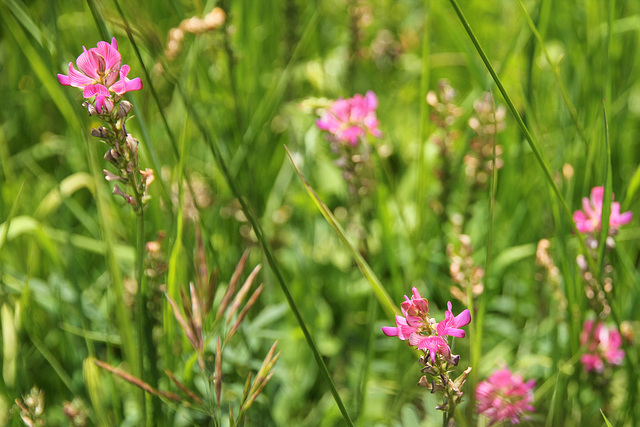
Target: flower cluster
{"x":348,"y":120}
{"x":103,"y":80}
{"x":98,"y":71}
{"x":588,"y":221}
{"x":504,"y":396}
{"x":603,"y":346}
{"x":423,"y":332}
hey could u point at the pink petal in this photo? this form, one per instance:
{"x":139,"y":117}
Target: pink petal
{"x":390,"y":331}
{"x":77,"y":79}
{"x":111,"y":58}
{"x":95,"y":89}
{"x":371,"y":100}
{"x":63,"y":79}
{"x":89,"y":63}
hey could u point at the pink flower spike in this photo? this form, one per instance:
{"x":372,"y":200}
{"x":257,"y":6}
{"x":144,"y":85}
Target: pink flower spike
{"x":504,"y":397}
{"x":451,"y":325}
{"x":350,"y":119}
{"x":589,"y":219}
{"x":100,"y":74}
{"x":603,"y":346}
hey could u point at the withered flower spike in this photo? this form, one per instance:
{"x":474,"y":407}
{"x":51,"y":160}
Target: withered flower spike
{"x":195,"y":308}
{"x":231,"y":288}
{"x":185,"y":304}
{"x":218,"y":372}
{"x":244,"y":312}
{"x":257,"y":392}
{"x":200,"y":261}
{"x":211,"y":292}
{"x":183,"y":387}
{"x":247,"y":387}
{"x":265,"y":368}
{"x":195,"y":341}
{"x":137,"y":381}
{"x":244,"y":290}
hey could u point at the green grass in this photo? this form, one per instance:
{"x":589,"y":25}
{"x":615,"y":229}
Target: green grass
{"x":213,"y":123}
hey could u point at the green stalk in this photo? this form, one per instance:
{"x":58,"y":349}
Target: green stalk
{"x":140,"y":303}
{"x":525,"y":131}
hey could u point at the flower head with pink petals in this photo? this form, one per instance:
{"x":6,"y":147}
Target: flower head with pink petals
{"x":504,"y":396}
{"x":347,"y":120}
{"x":425,"y":333}
{"x":603,"y":346}
{"x":589,"y":219}
{"x":100,"y":74}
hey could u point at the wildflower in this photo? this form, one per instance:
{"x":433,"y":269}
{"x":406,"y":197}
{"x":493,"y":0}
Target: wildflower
{"x":98,"y":71}
{"x":504,"y":396}
{"x":349,"y":119}
{"x":424,"y":332}
{"x":589,"y":220}
{"x":603,"y":345}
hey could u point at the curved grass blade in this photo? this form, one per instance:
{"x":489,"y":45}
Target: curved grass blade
{"x":525,"y":131}
{"x":379,"y":290}
{"x":606,"y":201}
{"x":554,"y":67}
{"x":211,"y":140}
{"x":606,"y":421}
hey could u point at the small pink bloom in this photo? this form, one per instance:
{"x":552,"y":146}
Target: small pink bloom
{"x":433,"y":344}
{"x":415,"y":311}
{"x":423,"y":332}
{"x":504,"y":397}
{"x":451,"y":325}
{"x":99,"y":69}
{"x":603,"y":345}
{"x":349,"y":119}
{"x":588,"y":220}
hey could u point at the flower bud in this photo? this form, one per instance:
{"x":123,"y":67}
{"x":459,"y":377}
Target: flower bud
{"x":132,"y":145}
{"x":112,"y":156}
{"x":90,"y":108}
{"x":123,"y":109}
{"x":101,"y":132}
{"x":111,"y":177}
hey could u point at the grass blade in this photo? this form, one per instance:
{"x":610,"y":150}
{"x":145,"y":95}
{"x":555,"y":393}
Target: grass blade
{"x":523,"y":128}
{"x":381,"y":293}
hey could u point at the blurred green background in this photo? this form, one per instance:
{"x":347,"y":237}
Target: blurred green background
{"x":62,"y":237}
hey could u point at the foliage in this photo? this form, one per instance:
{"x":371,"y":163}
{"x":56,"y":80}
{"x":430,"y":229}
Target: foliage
{"x":463,"y":200}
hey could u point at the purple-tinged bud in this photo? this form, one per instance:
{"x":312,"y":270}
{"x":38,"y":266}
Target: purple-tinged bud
{"x":123,"y":109}
{"x":90,"y":108}
{"x":112,"y":156}
{"x":111,"y":177}
{"x":119,"y":192}
{"x":100,"y":132}
{"x":455,"y":359}
{"x":132,"y":145}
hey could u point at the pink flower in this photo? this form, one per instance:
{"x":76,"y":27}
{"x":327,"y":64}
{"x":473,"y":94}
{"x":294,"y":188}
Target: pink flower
{"x":423,"y":332}
{"x":98,"y":71}
{"x":349,"y":119}
{"x":451,"y":325}
{"x":504,"y":396}
{"x":589,"y":220}
{"x":603,"y":345}
{"x":415,"y":311}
